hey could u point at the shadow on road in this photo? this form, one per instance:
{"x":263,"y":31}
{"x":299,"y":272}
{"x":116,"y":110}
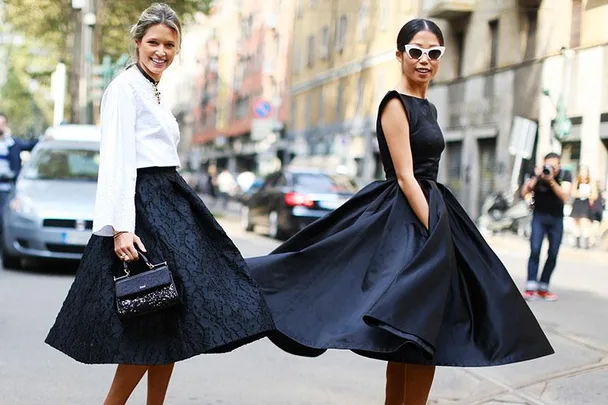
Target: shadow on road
{"x":47,"y":267}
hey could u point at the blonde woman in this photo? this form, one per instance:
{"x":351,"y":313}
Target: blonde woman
{"x":584,"y":192}
{"x":144,"y":204}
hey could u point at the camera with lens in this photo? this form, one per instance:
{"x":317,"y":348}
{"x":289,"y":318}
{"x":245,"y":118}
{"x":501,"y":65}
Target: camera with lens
{"x":547,"y":170}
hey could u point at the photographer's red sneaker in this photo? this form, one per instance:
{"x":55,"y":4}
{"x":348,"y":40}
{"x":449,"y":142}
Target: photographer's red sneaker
{"x":530,"y":295}
{"x":547,"y":296}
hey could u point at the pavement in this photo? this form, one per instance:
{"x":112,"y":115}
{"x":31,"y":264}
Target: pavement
{"x":32,"y":373}
{"x":576,"y":326}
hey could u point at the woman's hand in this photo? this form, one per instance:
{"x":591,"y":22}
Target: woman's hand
{"x":124,"y":246}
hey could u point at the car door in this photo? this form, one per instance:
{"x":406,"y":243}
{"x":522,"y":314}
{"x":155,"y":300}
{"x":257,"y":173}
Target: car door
{"x":276,"y":195}
{"x":272,"y":198}
{"x":258,"y":203}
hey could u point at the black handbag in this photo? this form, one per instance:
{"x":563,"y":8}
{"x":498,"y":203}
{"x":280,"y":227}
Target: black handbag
{"x":145,"y":292}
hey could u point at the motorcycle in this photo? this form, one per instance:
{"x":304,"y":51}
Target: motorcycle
{"x":500,"y":215}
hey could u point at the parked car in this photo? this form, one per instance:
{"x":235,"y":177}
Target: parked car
{"x":245,"y":195}
{"x":291,"y":199}
{"x":49,"y":213}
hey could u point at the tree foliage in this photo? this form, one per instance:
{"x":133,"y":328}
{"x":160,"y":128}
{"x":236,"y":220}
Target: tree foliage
{"x":28,"y":113}
{"x":46,"y":20}
{"x":118,"y":16}
{"x":51,"y":21}
{"x":49,"y":28}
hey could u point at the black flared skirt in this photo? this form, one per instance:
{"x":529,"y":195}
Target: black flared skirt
{"x":581,"y":209}
{"x":222,"y":306}
{"x":370,"y":278}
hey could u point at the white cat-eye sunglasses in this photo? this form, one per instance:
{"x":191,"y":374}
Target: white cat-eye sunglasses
{"x":416,"y":52}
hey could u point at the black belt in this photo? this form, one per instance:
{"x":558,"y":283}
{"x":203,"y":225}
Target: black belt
{"x":157,"y":169}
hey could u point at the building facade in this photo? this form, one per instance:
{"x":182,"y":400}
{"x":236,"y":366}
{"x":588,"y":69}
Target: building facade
{"x":519,"y":58}
{"x":212,"y":105}
{"x":300,"y":81}
{"x":243,"y":92}
{"x":177,"y":90}
{"x":343,"y":64}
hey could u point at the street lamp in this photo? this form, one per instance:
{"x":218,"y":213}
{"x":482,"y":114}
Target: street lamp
{"x":562,"y":124}
{"x":88,"y":24}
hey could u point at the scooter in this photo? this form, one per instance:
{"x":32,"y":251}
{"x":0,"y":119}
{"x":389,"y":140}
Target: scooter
{"x":499,"y":215}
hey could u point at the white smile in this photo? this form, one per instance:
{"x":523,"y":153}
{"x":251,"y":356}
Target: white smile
{"x":423,"y":70}
{"x":158,"y":61}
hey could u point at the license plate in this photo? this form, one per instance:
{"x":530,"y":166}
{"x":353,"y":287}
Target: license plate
{"x":75,"y":238}
{"x":330,"y":205}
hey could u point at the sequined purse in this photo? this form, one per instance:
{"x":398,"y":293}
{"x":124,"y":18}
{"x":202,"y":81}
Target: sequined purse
{"x":145,"y":292}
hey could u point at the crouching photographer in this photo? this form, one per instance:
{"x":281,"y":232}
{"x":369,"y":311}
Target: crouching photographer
{"x":550,"y":186}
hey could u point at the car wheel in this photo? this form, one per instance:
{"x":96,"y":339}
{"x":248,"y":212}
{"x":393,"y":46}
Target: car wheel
{"x":246,"y":220}
{"x":10,"y":262}
{"x":273,"y":225}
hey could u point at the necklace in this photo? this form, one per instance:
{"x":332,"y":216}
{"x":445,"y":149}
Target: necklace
{"x":151,"y":80}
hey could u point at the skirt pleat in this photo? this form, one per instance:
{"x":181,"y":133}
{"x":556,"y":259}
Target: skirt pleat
{"x":370,"y":278}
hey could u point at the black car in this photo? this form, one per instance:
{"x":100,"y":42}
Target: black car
{"x":291,"y":199}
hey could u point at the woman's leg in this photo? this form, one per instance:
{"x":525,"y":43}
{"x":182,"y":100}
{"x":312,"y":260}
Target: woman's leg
{"x":417,"y":385}
{"x":585,"y":225}
{"x":577,"y":231}
{"x":158,"y":382}
{"x":595,"y":233}
{"x":395,"y":378}
{"x":126,"y":378}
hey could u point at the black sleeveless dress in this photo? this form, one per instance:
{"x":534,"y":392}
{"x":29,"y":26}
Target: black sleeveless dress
{"x":370,"y":278}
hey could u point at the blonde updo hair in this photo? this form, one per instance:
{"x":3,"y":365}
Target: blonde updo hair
{"x":157,"y":13}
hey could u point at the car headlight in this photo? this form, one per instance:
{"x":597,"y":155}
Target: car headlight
{"x":22,"y":206}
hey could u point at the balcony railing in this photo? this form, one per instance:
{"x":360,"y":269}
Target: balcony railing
{"x":448,"y":9}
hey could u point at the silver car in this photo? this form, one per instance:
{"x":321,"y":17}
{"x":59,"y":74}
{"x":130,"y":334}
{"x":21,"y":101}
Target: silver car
{"x":49,"y":214}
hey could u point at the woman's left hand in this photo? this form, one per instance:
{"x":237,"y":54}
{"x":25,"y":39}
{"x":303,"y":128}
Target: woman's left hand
{"x":124,"y":246}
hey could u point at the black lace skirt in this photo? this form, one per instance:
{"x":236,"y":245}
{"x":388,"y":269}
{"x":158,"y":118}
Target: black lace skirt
{"x":222,"y":306}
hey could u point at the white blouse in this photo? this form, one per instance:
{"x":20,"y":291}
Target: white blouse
{"x":136,"y":132}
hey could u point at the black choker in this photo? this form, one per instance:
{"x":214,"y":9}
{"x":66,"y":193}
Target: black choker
{"x":151,"y":80}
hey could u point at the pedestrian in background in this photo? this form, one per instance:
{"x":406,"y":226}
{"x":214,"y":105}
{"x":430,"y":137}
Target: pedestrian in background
{"x":212,"y":181}
{"x":399,"y":272}
{"x":10,"y":160}
{"x":226,"y":186}
{"x":597,"y":214}
{"x":143,"y":204}
{"x":584,"y":192}
{"x":550,"y":186}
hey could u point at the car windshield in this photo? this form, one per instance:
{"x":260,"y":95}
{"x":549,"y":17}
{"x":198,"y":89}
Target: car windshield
{"x":322,"y":183}
{"x":63,"y":164}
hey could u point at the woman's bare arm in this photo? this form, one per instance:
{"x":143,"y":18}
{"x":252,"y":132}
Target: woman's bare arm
{"x":397,"y":133}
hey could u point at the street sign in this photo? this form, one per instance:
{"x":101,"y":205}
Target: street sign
{"x":262,"y":109}
{"x":261,"y":128}
{"x":523,"y":135}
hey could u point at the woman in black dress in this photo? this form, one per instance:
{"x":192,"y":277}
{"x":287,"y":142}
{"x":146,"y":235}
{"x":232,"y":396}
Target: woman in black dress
{"x":584,"y":192}
{"x":143,"y":202}
{"x":400,"y":272}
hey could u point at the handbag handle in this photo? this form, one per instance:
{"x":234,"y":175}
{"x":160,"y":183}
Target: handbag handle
{"x":125,"y":265}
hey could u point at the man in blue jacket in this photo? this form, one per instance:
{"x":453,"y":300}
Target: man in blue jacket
{"x":10,"y":159}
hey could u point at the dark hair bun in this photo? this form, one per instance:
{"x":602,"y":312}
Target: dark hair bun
{"x":413,"y":27}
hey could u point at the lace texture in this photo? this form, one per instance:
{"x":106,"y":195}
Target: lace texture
{"x":222,"y":306}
